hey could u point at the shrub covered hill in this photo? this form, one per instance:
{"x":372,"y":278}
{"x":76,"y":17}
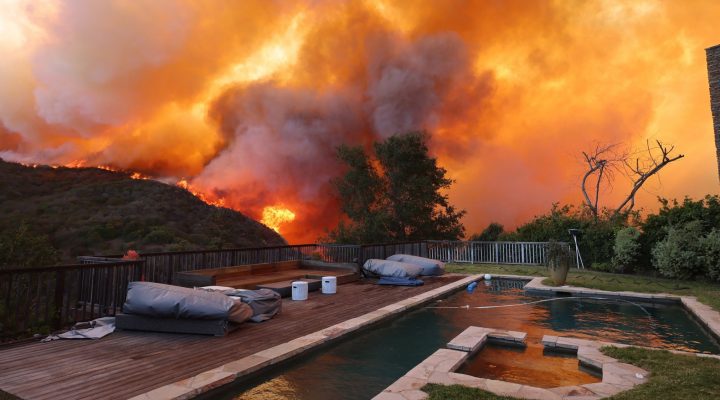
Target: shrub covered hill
{"x":90,"y":211}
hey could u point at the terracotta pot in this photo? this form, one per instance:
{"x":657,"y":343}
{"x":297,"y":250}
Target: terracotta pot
{"x":559,"y":271}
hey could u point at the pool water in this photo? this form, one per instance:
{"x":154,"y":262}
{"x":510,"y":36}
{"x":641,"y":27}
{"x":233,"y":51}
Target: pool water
{"x":363,"y":365}
{"x":530,"y":365}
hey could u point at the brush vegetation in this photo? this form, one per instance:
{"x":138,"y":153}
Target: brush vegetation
{"x":55,"y":214}
{"x":681,"y":240}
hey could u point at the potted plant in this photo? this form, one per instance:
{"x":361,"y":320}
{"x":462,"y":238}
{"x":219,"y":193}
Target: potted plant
{"x":558,"y":261}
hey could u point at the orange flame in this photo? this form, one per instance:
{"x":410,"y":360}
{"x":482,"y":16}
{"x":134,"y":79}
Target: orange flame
{"x":205,"y":198}
{"x":77,"y":164}
{"x":137,"y":175}
{"x":274,"y":216}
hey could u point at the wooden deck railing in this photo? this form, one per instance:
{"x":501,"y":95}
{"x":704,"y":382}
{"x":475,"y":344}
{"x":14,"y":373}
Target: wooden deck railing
{"x":48,"y":298}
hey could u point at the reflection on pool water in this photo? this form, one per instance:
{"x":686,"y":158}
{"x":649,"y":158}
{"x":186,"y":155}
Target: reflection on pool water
{"x":530,"y":366}
{"x":365,"y":364}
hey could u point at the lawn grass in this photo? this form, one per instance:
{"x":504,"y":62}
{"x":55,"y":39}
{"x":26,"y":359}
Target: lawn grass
{"x":458,"y":392}
{"x":708,"y":293}
{"x":672,"y":376}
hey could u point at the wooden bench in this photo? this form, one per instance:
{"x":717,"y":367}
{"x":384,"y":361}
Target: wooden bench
{"x":284,"y":288}
{"x":259,"y":275}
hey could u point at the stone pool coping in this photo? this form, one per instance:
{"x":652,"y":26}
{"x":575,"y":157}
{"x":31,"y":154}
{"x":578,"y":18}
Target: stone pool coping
{"x":227,"y":373}
{"x":439,"y":368}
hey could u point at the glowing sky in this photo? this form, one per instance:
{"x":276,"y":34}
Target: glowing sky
{"x":247,"y":100}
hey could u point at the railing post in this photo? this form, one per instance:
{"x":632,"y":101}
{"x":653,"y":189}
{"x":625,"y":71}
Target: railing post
{"x":497,"y":253}
{"x":58,"y":299}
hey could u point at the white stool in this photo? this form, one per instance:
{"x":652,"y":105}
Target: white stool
{"x":299,"y":290}
{"x":329,"y":284}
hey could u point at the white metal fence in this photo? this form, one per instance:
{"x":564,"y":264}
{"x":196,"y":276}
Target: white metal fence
{"x":532,"y":253}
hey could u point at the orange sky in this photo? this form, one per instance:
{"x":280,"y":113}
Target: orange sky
{"x":247,"y":100}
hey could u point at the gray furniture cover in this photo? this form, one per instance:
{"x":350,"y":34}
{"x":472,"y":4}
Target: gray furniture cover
{"x":392,"y":268}
{"x":166,"y":301}
{"x":265,"y":303}
{"x":428,"y":265}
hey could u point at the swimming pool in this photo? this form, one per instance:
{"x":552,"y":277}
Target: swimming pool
{"x":363,"y":365}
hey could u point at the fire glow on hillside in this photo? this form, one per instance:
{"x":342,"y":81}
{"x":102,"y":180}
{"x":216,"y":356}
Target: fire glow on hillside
{"x":248,"y":100}
{"x":217,"y":202}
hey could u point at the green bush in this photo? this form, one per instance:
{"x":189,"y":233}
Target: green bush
{"x":159,"y":235}
{"x":680,"y":254}
{"x":602,"y":267}
{"x":674,"y":213}
{"x":627,"y":249}
{"x":711,"y":253}
{"x":23,"y":247}
{"x":597,"y":242}
{"x":180,"y":245}
{"x":598,"y":237}
{"x":489,"y":234}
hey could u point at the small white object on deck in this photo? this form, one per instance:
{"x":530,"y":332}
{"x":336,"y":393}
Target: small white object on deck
{"x":488,"y":277}
{"x":329,"y":285}
{"x":299,"y":290}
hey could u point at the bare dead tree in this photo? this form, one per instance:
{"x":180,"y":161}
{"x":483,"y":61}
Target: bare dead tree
{"x":642,"y":170}
{"x":604,"y":161}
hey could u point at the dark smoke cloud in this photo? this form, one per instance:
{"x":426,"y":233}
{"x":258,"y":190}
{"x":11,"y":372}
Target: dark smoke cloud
{"x":283,"y":140}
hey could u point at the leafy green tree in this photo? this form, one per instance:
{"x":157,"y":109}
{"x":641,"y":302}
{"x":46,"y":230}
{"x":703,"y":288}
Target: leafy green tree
{"x":358,"y":190}
{"x":711,"y":253}
{"x":679,"y":254}
{"x":490,"y":234}
{"x":395,"y":194}
{"x":627,"y":249}
{"x":551,"y":226}
{"x":22,"y":247}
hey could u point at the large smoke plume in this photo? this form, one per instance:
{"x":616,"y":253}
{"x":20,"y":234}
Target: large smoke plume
{"x":248,"y":100}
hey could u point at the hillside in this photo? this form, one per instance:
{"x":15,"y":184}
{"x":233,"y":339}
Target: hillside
{"x":86,"y":211}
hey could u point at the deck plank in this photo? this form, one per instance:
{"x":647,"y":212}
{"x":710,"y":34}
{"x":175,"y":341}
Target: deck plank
{"x":128,"y":363}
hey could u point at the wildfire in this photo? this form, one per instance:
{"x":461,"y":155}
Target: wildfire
{"x":219,"y":202}
{"x":76,"y":164}
{"x":83,"y":164}
{"x":274,"y":216}
{"x":253,"y":105}
{"x":137,"y":175}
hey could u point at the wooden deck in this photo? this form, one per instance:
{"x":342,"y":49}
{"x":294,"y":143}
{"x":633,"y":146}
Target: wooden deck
{"x":125,"y":364}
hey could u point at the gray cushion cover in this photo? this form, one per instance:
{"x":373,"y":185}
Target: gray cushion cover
{"x":265,"y":303}
{"x":392,"y":268}
{"x":166,"y":301}
{"x":428,"y":265}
